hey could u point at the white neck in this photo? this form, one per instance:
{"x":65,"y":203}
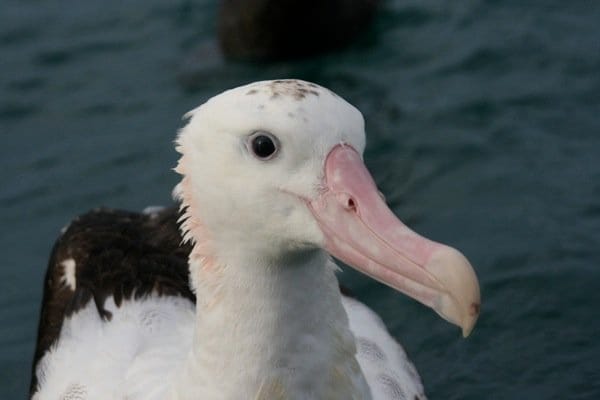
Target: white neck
{"x":270,"y":332}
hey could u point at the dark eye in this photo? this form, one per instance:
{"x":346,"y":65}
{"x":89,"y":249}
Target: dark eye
{"x":263,"y":145}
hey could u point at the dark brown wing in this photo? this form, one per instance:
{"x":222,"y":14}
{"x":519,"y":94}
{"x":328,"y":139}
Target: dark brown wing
{"x":115,"y":253}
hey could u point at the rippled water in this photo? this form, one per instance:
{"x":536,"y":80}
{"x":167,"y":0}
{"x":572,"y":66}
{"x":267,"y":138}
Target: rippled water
{"x":484,"y":132}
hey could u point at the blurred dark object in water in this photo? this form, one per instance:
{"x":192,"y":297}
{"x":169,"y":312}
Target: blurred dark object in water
{"x":272,"y":30}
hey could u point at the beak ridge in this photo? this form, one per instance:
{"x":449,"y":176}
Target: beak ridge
{"x":363,"y":232}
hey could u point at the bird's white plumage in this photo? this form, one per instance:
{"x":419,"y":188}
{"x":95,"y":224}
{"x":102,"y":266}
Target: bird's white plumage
{"x":68,"y":278}
{"x":138,"y":354}
{"x":268,"y":304}
{"x":387,"y":369}
{"x":134,"y":356}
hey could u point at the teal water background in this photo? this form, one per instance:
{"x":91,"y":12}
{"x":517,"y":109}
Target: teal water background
{"x":484,"y":133}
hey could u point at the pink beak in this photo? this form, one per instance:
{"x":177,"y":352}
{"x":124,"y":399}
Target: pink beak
{"x":363,"y":232}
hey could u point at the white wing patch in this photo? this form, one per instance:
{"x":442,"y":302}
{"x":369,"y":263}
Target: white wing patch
{"x":131,"y":357}
{"x":153,"y":211}
{"x":388,"y":371}
{"x":68,"y":277}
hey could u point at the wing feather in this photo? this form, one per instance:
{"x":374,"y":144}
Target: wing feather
{"x":110,"y":253}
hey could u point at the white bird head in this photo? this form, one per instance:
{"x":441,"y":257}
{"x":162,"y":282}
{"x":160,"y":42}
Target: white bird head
{"x":275,"y":167}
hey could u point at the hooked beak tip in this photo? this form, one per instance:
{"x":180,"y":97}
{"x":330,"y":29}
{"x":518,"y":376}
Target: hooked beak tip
{"x":460,"y":300}
{"x":470,"y":320}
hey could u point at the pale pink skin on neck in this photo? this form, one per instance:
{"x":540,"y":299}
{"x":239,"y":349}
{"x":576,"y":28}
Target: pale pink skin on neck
{"x":191,"y":224}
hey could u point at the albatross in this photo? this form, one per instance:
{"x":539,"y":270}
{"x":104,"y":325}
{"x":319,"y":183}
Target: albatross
{"x":233,"y":294}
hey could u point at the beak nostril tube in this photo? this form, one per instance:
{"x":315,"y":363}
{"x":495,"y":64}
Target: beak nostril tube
{"x":350,"y":205}
{"x":346,"y":201}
